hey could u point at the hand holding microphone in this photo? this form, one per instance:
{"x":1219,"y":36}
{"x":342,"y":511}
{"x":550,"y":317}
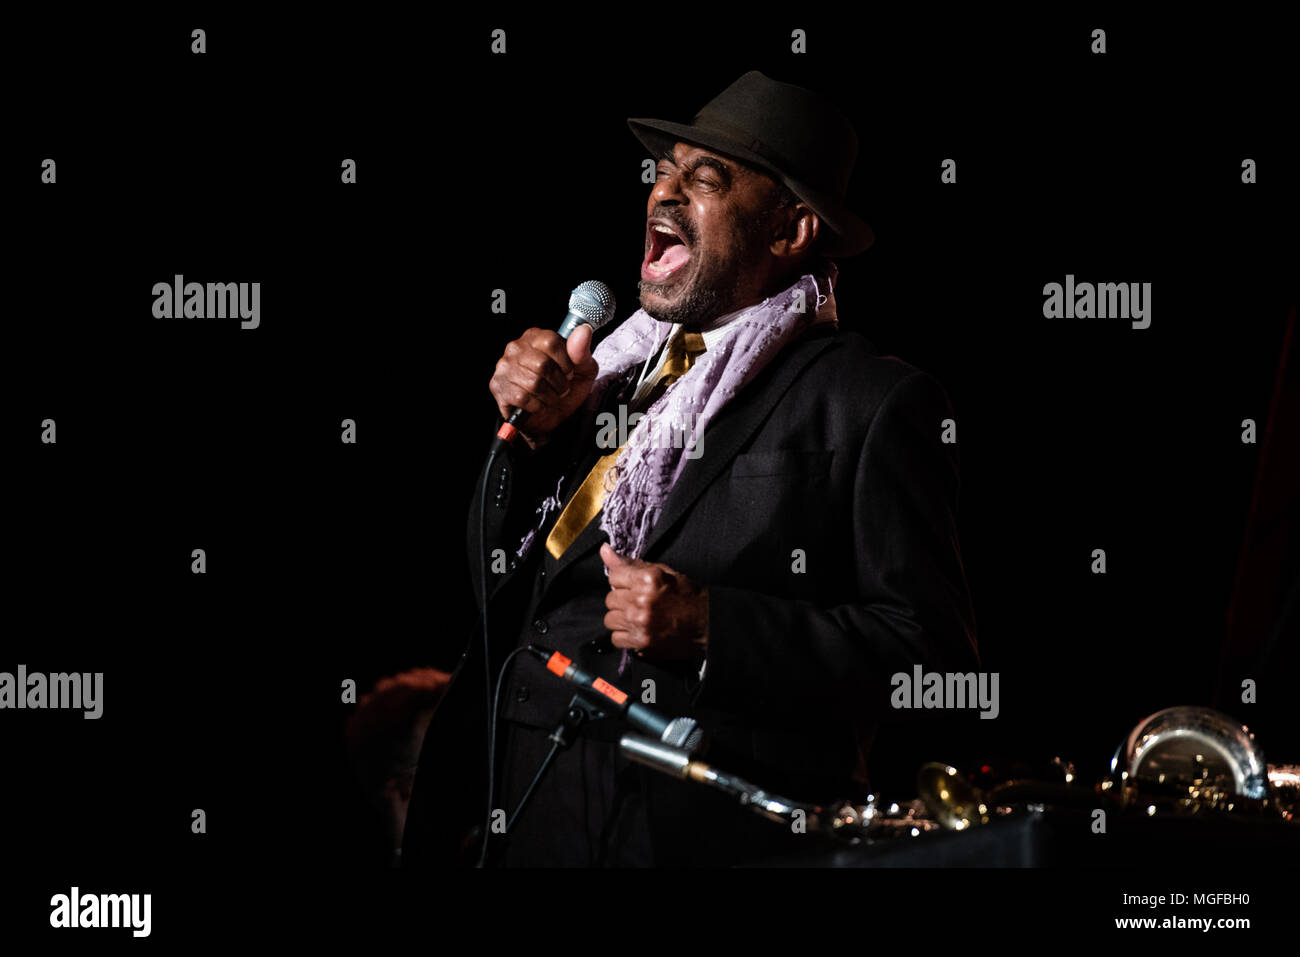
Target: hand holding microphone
{"x":544,"y":376}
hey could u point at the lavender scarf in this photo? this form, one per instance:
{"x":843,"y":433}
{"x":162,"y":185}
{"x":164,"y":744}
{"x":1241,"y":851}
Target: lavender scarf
{"x":657,"y":450}
{"x":670,"y":431}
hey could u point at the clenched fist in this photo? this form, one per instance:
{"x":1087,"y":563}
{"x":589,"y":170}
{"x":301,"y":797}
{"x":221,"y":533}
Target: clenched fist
{"x":546,"y":376}
{"x":654,"y":610}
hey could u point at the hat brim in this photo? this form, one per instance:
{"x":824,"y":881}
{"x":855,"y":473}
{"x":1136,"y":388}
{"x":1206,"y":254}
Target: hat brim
{"x":848,"y":234}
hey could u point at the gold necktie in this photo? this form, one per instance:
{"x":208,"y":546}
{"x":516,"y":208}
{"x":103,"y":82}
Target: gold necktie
{"x":589,"y":499}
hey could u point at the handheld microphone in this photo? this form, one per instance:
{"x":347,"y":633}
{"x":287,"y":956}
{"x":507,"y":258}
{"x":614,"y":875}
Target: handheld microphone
{"x":683,"y":733}
{"x":591,"y":303}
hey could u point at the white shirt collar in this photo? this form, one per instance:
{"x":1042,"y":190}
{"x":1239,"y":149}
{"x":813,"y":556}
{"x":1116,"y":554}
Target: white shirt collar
{"x":715,"y":331}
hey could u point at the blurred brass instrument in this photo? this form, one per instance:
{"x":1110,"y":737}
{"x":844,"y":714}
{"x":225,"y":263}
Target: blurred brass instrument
{"x":874,"y":820}
{"x":956,"y":804}
{"x":1182,"y":760}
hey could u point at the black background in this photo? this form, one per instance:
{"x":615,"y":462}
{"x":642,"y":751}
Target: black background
{"x":478,"y":172}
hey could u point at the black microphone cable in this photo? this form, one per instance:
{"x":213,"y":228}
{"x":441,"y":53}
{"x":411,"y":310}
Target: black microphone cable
{"x":591,"y":303}
{"x":492,"y":756}
{"x":492,"y":735}
{"x":487,"y":643}
{"x":492,"y":698}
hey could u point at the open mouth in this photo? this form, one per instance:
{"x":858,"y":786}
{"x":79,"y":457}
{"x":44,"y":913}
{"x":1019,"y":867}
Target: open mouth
{"x":667,"y":251}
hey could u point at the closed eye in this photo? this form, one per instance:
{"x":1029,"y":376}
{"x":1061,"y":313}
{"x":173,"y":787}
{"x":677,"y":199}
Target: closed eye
{"x":708,"y":172}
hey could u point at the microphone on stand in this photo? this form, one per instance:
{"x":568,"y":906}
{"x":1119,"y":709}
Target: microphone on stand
{"x":683,"y":733}
{"x":677,"y":763}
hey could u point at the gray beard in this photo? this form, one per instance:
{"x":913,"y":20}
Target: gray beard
{"x":702,"y":303}
{"x":716,"y":291}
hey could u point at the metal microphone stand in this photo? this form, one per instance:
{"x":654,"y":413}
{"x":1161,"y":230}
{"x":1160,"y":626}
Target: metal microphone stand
{"x":581,"y":711}
{"x":842,"y":821}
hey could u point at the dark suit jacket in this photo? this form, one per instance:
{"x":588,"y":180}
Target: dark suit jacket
{"x":821,"y":516}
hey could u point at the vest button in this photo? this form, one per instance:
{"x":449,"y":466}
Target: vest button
{"x":521,"y":694}
{"x":541,"y":626}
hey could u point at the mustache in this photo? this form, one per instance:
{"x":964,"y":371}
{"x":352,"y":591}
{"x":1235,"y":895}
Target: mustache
{"x":678,"y":218}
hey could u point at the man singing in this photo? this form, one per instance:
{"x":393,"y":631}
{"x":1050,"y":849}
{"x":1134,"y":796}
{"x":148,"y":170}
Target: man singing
{"x":773,"y":540}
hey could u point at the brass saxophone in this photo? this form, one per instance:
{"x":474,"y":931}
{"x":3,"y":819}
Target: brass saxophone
{"x":1182,"y":760}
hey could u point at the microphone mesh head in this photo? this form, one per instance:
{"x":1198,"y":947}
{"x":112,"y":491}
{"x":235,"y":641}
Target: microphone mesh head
{"x":594,"y":301}
{"x":684,"y":733}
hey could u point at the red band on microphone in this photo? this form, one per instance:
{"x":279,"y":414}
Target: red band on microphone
{"x":507,"y":432}
{"x":559,"y":664}
{"x":608,"y":690}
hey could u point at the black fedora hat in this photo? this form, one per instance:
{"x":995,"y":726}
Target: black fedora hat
{"x":784,"y":130}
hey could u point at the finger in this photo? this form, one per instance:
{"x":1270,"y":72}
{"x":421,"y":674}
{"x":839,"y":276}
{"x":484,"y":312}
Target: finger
{"x":616,"y":621}
{"x":548,"y":342}
{"x":546,"y":368}
{"x":511,"y":397}
{"x":578,"y":348}
{"x":611,"y":558}
{"x":535,"y":372}
{"x":631,"y":639}
{"x":639,"y":577}
{"x":617,"y":599}
{"x":630,"y":575}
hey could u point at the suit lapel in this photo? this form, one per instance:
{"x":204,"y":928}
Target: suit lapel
{"x":588,"y":539}
{"x":726,"y":434}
